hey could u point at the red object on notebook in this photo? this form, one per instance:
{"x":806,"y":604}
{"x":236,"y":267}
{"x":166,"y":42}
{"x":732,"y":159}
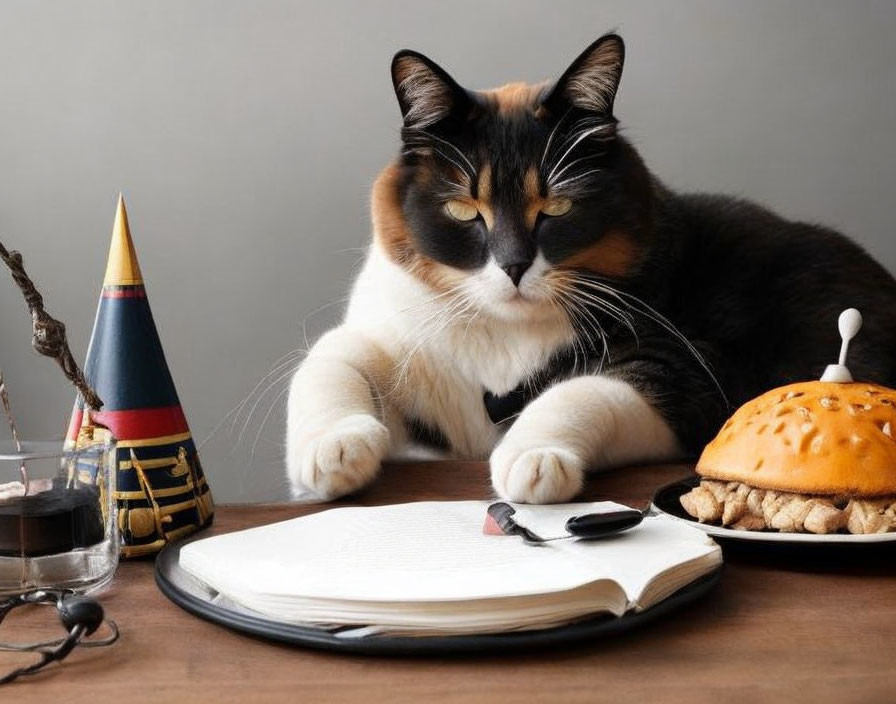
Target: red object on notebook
{"x":491,"y":527}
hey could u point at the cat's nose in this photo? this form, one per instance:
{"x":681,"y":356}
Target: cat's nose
{"x":515,"y":271}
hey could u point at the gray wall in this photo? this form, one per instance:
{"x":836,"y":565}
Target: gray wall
{"x":245,"y":135}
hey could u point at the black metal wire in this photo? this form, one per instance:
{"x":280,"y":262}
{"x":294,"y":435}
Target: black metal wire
{"x":54,"y":650}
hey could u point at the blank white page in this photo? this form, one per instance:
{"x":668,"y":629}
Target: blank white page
{"x":435,"y":551}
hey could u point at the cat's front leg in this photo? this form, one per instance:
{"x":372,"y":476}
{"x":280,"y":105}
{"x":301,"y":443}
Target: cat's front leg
{"x":337,"y":433}
{"x":585,"y":423}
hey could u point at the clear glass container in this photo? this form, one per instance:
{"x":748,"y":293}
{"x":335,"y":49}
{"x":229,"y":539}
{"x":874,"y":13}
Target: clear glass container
{"x":58,"y":525}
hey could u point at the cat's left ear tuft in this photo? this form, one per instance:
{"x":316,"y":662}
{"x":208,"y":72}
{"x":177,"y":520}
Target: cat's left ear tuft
{"x":426,"y":93}
{"x":591,"y":81}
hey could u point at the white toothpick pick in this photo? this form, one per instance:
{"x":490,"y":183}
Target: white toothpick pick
{"x":849,"y":323}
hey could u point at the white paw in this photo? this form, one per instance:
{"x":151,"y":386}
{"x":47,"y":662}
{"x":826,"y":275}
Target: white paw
{"x":340,"y":458}
{"x":540,"y":475}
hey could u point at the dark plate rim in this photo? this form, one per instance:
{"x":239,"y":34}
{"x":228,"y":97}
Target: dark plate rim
{"x":166,"y":574}
{"x":665,"y":503}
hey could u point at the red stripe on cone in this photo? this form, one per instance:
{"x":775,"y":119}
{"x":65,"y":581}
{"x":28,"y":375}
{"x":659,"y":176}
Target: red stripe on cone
{"x":124,"y":293}
{"x":143,"y":423}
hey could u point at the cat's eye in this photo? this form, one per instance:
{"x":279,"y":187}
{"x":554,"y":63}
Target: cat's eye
{"x":557,"y":206}
{"x":461,"y":210}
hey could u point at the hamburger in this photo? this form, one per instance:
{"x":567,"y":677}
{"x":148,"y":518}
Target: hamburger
{"x":816,"y":457}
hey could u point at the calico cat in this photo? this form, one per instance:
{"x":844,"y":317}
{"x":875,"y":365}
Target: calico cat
{"x":534,"y":295}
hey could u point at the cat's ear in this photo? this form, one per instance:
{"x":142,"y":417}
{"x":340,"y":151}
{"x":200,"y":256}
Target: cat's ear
{"x":426,"y":93}
{"x":591,"y":81}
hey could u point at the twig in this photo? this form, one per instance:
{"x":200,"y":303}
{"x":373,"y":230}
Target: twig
{"x":48,"y":336}
{"x":7,"y":411}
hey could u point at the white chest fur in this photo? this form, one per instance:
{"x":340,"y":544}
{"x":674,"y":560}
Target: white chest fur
{"x":447,"y":351}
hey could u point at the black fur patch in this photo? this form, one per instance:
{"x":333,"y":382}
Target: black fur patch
{"x":425,"y":434}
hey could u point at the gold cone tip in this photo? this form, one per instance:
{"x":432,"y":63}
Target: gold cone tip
{"x":123,"y":269}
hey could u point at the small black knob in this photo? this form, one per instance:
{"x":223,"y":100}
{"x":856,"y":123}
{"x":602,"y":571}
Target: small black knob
{"x":599,"y":525}
{"x":81,"y":610}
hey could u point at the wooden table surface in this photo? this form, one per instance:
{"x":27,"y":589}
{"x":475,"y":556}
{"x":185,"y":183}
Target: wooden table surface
{"x":771,"y":631}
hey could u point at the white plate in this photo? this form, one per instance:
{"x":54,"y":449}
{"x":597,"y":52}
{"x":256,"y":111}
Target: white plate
{"x":670,"y":493}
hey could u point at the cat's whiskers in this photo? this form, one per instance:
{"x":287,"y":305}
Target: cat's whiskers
{"x":470,"y":171}
{"x":622,"y":316}
{"x":554,"y":183}
{"x":450,"y":292}
{"x":454,"y":300}
{"x":470,"y":322}
{"x":589,"y":323}
{"x":363,"y":250}
{"x":574,"y":278}
{"x":576,"y":140}
{"x":447,"y":158}
{"x":343,"y":299}
{"x":290,"y":357}
{"x":452,"y":189}
{"x":579,"y":126}
{"x":446,"y":320}
{"x":551,"y":134}
{"x":280,"y":378}
{"x":274,"y":403}
{"x":555,"y":299}
{"x":564,"y":186}
{"x":640,"y":306}
{"x":599,"y":331}
{"x":425,"y":330}
{"x":590,"y":300}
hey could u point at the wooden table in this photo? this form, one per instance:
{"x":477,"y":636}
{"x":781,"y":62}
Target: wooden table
{"x":767,"y":633}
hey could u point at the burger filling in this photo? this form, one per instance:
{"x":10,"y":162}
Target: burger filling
{"x":743,"y":507}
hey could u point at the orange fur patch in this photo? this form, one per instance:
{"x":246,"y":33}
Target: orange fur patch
{"x":483,"y":200}
{"x":390,"y":231}
{"x":535,"y":202}
{"x":614,"y":255}
{"x":513,"y":97}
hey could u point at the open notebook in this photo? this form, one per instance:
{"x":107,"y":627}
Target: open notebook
{"x":427,"y":568}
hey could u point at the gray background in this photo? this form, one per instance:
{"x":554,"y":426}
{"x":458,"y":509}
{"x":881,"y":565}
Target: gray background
{"x":245,"y":136}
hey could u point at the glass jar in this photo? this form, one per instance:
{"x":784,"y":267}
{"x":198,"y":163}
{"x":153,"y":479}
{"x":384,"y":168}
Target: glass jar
{"x":57,"y":517}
